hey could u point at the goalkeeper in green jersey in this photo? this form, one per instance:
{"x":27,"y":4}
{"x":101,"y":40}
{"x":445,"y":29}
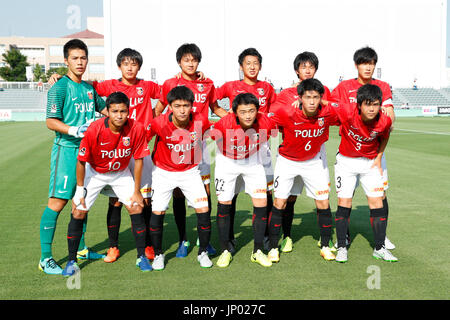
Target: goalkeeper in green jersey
{"x":71,"y":107}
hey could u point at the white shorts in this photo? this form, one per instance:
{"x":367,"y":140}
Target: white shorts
{"x":246,"y":174}
{"x":121,"y":182}
{"x":146,"y":179}
{"x":292,"y":176}
{"x":348,"y":172}
{"x":264,"y":157}
{"x":385,"y":174}
{"x":189,"y":182}
{"x":205,"y":165}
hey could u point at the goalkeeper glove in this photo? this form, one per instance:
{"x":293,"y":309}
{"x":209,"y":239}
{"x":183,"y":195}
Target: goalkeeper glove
{"x":78,"y":132}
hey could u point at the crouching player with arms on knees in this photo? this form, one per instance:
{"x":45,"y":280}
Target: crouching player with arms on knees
{"x":176,"y":157}
{"x":364,"y":136}
{"x":239,"y":137}
{"x":108,"y":146}
{"x":305,"y":130}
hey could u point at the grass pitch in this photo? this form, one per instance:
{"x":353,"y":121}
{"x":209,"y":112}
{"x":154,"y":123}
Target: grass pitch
{"x":418,"y":157}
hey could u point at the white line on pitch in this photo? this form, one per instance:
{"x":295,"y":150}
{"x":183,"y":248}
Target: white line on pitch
{"x":425,"y":132}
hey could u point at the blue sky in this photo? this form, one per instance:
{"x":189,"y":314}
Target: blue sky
{"x":46,"y":18}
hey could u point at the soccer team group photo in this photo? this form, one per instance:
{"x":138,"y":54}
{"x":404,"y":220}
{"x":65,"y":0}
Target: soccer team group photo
{"x":111,"y":142}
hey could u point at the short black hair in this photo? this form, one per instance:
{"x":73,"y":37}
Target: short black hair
{"x":249,"y":52}
{"x":180,"y":93}
{"x":116,"y":98}
{"x":244,"y":99}
{"x":369,"y":93}
{"x":131,"y":54}
{"x":189,"y":48}
{"x":310,"y":85}
{"x":304,"y":57}
{"x":365,"y":55}
{"x":74,"y":44}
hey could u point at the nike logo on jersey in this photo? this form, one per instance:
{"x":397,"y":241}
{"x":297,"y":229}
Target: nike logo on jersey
{"x":73,"y":99}
{"x":350,"y":91}
{"x":104,"y":143}
{"x":240,"y":91}
{"x":171,"y":137}
{"x":297,"y":123}
{"x":353,"y":127}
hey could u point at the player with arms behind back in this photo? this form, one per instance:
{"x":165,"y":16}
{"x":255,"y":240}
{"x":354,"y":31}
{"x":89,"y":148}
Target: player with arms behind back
{"x":108,"y":146}
{"x":71,"y":106}
{"x":250,"y":63}
{"x":306,"y":65}
{"x":365,"y":60}
{"x":364,"y":136}
{"x":188,"y":57}
{"x":239,"y":137}
{"x":176,"y":156}
{"x":305,"y":130}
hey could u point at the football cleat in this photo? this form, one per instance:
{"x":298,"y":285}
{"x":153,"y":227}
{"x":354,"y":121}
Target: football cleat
{"x":71,"y":268}
{"x":158,"y":262}
{"x":49,"y":266}
{"x":347,"y":242}
{"x":143,"y":264}
{"x":286,"y":245}
{"x":209,"y":248}
{"x":150,"y":253}
{"x":342,"y":255}
{"x":388,"y":244}
{"x":326,"y":253}
{"x":182,"y":251}
{"x":204,"y":260}
{"x":384,"y":254}
{"x":332,"y":247}
{"x":112,"y":255}
{"x":88,"y":254}
{"x":274,"y":255}
{"x":224,"y":259}
{"x":260,"y":258}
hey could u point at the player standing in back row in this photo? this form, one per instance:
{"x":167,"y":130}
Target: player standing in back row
{"x":71,"y":106}
{"x":188,"y":58}
{"x":365,"y":60}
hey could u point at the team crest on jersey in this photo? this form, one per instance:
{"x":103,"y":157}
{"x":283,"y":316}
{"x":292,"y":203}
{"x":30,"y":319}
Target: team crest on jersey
{"x":90,"y":95}
{"x":200,"y":87}
{"x":193,"y":135}
{"x":260,"y":91}
{"x":373,"y":134}
{"x":320,"y":122}
{"x":126,"y":141}
{"x":82,"y":152}
{"x":53,"y":108}
{"x":139,"y":91}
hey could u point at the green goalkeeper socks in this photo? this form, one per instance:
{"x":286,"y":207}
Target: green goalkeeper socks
{"x":47,"y":231}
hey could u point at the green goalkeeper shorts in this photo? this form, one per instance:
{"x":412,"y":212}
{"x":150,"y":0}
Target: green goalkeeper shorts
{"x":63,"y":178}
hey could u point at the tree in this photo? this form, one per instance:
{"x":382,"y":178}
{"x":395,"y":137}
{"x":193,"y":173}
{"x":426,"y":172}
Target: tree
{"x":38,"y":74}
{"x":16,"y":63}
{"x":59,"y":70}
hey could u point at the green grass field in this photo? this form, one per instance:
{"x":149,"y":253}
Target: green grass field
{"x":418,"y":158}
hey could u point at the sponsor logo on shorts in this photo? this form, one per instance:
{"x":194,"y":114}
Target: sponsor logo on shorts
{"x":260,"y":191}
{"x":204,"y":199}
{"x":126,"y":141}
{"x":206,"y":177}
{"x":322,"y":192}
{"x":378,"y":189}
{"x":146,"y":190}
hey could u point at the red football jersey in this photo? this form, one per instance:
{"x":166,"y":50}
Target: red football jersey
{"x":288,"y":96}
{"x":140,"y":96}
{"x":303,"y":136}
{"x":234,"y":142}
{"x":177,"y":149}
{"x":107,"y":151}
{"x":357,"y":138}
{"x":346,"y":91}
{"x":262,"y":90}
{"x":204,"y":93}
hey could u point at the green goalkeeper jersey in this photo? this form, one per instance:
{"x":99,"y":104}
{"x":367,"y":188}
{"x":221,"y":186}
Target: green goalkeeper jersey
{"x":74,"y":104}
